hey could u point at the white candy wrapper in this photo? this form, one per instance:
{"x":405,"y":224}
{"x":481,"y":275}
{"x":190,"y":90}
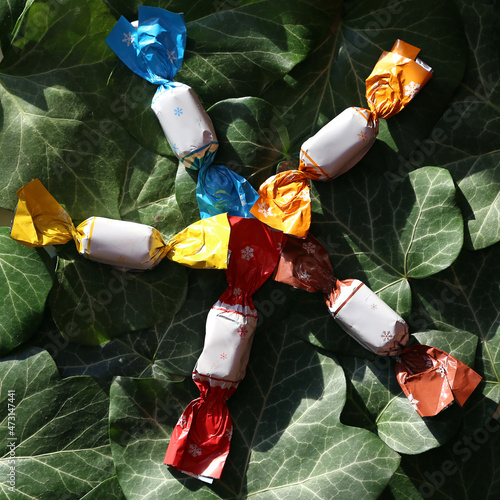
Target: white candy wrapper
{"x":200,"y":441}
{"x":154,"y":48}
{"x":186,"y":125}
{"x":40,"y":221}
{"x":339,"y":145}
{"x":229,"y":335}
{"x":367,"y":318}
{"x":119,"y":243}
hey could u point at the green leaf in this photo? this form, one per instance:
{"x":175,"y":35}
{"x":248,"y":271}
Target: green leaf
{"x":252,"y":137}
{"x":333,"y":78}
{"x":52,"y":95}
{"x":60,"y":430}
{"x":388,"y":238}
{"x":148,"y":192}
{"x":109,"y":489}
{"x":92,"y":303}
{"x":465,"y":297}
{"x":466,"y":140}
{"x":288,"y":439}
{"x":376,"y":401}
{"x":467,"y":466}
{"x":25,"y":284}
{"x":236,"y":52}
{"x":9,"y":14}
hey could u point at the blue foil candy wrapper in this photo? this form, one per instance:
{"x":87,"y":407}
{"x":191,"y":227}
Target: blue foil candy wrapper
{"x":220,"y":190}
{"x":155,"y":51}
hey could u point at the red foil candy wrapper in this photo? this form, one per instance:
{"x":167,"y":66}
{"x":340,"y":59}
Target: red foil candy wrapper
{"x":201,"y":438}
{"x":431,"y":379}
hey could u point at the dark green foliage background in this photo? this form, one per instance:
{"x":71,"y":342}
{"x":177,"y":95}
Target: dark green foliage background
{"x":100,"y":360}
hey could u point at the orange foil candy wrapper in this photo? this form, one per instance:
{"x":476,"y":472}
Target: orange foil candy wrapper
{"x":431,"y":378}
{"x":200,"y":441}
{"x":340,"y":144}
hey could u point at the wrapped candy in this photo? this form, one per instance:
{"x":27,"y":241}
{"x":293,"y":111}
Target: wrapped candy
{"x":221,"y":190}
{"x":153,"y":47}
{"x":340,"y":144}
{"x":431,"y":379}
{"x":40,"y":220}
{"x":200,"y":440}
{"x":155,"y":51}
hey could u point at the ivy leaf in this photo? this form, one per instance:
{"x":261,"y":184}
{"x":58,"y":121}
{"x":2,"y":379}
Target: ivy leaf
{"x":473,"y":112}
{"x":288,"y":439}
{"x":468,"y":465}
{"x":252,"y":137}
{"x":52,"y":85}
{"x":384,"y":238}
{"x":60,"y":429}
{"x":465,"y":298}
{"x":26,"y":282}
{"x":92,"y":302}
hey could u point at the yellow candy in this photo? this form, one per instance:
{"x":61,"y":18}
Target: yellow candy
{"x":40,"y":220}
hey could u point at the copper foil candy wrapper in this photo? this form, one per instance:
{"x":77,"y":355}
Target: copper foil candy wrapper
{"x":357,"y":309}
{"x":200,"y":441}
{"x":367,"y":318}
{"x":431,"y":379}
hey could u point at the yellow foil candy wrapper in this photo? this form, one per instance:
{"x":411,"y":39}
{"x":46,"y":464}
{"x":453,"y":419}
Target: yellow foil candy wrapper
{"x":40,"y":220}
{"x":340,"y":144}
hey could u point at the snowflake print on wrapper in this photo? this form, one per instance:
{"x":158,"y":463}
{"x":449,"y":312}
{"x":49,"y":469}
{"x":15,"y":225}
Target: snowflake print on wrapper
{"x":237,"y":292}
{"x":304,"y":195}
{"x":182,"y":421}
{"x":413,"y":401}
{"x":373,"y":307}
{"x":171,"y":55}
{"x":411,"y":89}
{"x":386,"y":335}
{"x":223,"y":356}
{"x":309,"y":247}
{"x":305,"y":276}
{"x":194,"y":450}
{"x":128,"y":38}
{"x":178,"y":111}
{"x":247,"y":253}
{"x":229,"y":434}
{"x":441,"y":371}
{"x":362,"y":136}
{"x":242,"y":331}
{"x":265,"y":210}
